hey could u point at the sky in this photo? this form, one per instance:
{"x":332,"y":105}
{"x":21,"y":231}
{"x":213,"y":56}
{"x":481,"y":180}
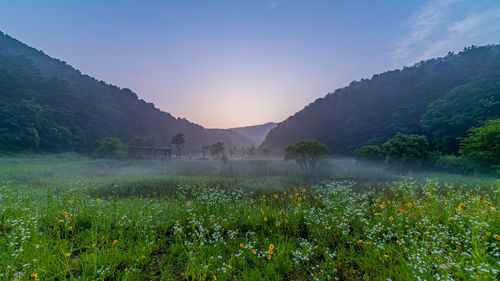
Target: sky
{"x":225,"y":64}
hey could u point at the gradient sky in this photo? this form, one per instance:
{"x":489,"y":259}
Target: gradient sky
{"x":234,"y":63}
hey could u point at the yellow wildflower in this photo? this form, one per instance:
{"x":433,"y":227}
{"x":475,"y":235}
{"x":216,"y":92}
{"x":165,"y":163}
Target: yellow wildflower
{"x":242,"y":245}
{"x":65,"y":213}
{"x":33,"y":275}
{"x":496,"y":236}
{"x":265,"y":218}
{"x":299,"y":204}
{"x":391,"y":218}
{"x":70,"y":228}
{"x":70,"y":202}
{"x":114,"y":242}
{"x":68,"y":255}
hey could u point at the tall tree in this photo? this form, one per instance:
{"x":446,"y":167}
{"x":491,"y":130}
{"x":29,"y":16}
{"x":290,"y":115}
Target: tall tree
{"x":178,"y":141}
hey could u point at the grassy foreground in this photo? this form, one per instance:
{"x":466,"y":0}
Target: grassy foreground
{"x":402,"y":230}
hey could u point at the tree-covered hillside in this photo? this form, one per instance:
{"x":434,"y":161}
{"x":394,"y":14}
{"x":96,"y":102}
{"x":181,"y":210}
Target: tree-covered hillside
{"x":440,"y":97}
{"x":47,"y":105}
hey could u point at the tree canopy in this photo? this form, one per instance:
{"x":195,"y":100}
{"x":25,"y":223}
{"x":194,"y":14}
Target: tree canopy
{"x":307,"y":153}
{"x":483,"y":143}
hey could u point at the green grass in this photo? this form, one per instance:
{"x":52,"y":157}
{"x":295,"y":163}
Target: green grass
{"x":70,"y":217}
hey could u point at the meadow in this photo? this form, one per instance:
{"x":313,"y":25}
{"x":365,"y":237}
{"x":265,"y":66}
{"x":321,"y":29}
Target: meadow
{"x":68,"y":217}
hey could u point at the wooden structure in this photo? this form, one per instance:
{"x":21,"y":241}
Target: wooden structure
{"x":156,"y":152}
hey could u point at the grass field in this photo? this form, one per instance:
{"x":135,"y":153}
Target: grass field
{"x":70,"y":217}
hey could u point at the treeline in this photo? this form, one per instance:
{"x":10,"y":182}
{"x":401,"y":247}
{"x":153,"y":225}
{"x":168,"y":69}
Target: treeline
{"x":479,"y":152}
{"x":440,"y":98}
{"x":48,"y":106}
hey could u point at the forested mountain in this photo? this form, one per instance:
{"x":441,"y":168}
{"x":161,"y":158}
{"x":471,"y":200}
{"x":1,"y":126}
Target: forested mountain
{"x":256,"y":133}
{"x":441,"y":98}
{"x":47,"y":105}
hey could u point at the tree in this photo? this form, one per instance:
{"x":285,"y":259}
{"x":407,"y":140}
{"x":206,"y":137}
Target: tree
{"x":407,"y":149}
{"x":266,"y":152}
{"x":178,"y":141}
{"x":109,"y":147}
{"x":204,"y":150}
{"x":483,"y":144}
{"x":135,"y":147}
{"x":447,"y":119}
{"x":232,"y":151}
{"x":307,"y":153}
{"x":217,"y":149}
{"x":369,"y":153}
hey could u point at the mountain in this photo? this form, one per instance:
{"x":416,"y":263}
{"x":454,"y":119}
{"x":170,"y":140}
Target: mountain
{"x":47,"y":105}
{"x":440,"y":97}
{"x":255,"y":133}
{"x":235,"y":138}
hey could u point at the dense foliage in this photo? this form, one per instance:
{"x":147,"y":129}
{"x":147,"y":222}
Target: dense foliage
{"x":483,"y":143}
{"x":46,"y":105}
{"x":449,"y":118}
{"x":452,"y":94}
{"x":307,"y":153}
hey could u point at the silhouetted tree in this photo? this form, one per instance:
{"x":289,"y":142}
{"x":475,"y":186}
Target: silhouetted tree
{"x":307,"y":153}
{"x":178,"y":141}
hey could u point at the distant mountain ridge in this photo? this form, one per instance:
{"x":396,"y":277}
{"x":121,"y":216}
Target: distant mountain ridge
{"x":256,"y":133}
{"x":415,"y":100}
{"x":47,"y":105}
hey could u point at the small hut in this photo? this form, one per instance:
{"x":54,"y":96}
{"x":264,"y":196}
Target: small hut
{"x":158,"y":152}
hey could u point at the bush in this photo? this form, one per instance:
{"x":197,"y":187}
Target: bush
{"x":109,"y":147}
{"x":406,"y":149}
{"x":452,"y":163}
{"x":370,"y":154}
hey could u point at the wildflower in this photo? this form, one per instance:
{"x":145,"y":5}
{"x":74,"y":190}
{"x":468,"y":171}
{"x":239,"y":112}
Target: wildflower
{"x":488,"y":233}
{"x":248,"y":217}
{"x":59,"y":220}
{"x":360,"y":241}
{"x":114,"y":242}
{"x":65,"y":213}
{"x":380,"y":227}
{"x":277,"y":223}
{"x":271,"y":246}
{"x":315,"y":246}
{"x":496,"y":236}
{"x":242,"y":245}
{"x":286,"y":220}
{"x":70,"y":202}
{"x":265,"y":218}
{"x":142,"y":257}
{"x":269,"y":257}
{"x":33,"y":275}
{"x":213,"y":275}
{"x":391,"y":218}
{"x":93,"y":245}
{"x":276,"y":196}
{"x":386,"y":255}
{"x":299,"y":204}
{"x":304,"y":190}
{"x":98,"y":200}
{"x":271,"y":251}
{"x":284,"y":193}
{"x":189,"y":203}
{"x":70,"y":228}
{"x":68,"y":255}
